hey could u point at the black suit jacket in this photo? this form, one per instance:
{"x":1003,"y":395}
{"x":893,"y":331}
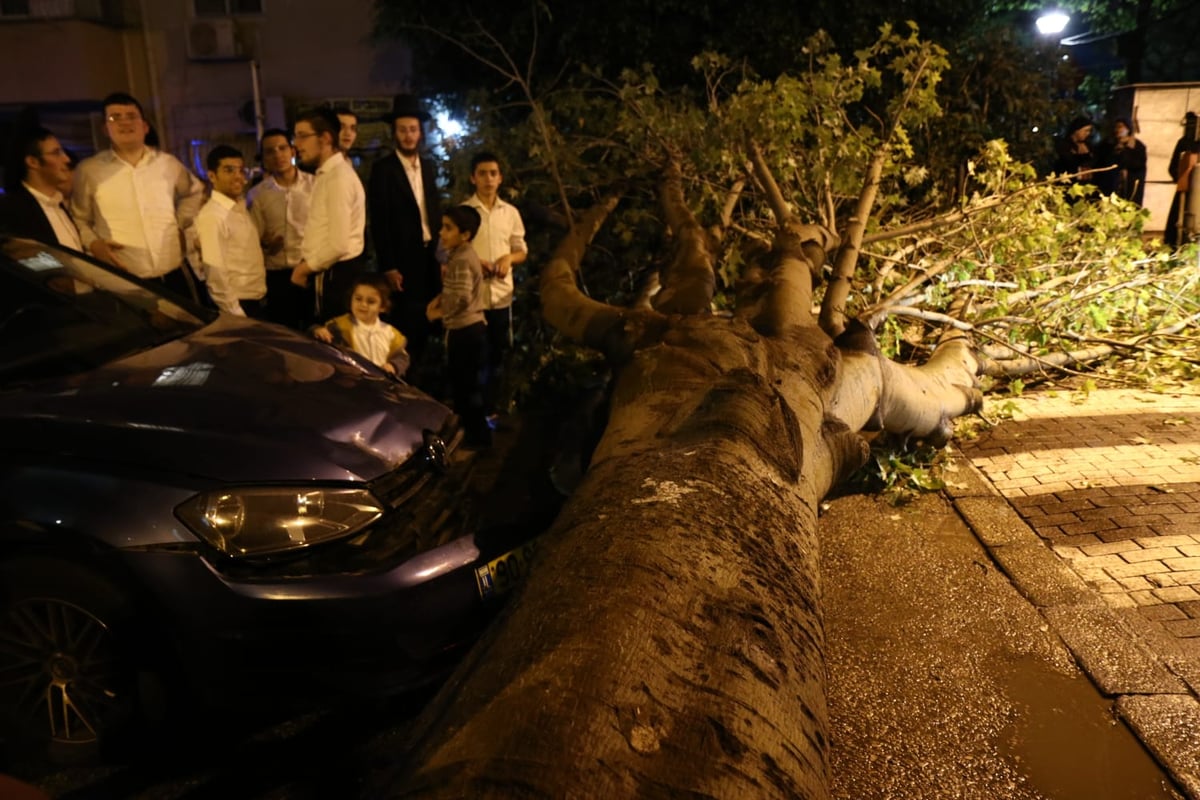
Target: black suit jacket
{"x":21,"y":215}
{"x":396,"y":226}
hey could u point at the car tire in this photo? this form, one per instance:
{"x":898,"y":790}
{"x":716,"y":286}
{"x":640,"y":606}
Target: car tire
{"x":73,"y":681}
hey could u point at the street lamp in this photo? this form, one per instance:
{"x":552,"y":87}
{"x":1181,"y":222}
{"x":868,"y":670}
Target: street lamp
{"x":1052,"y":22}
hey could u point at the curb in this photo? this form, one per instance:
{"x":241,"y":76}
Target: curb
{"x":1155,"y":703}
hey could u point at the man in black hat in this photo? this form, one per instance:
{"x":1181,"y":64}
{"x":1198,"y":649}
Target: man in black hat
{"x":405,"y":216}
{"x":1073,"y":154}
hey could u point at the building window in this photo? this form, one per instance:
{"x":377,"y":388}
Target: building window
{"x":14,"y":8}
{"x":223,"y":8}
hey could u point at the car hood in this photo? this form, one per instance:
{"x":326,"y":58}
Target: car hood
{"x":234,"y":401}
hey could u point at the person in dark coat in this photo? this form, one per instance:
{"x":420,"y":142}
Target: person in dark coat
{"x":33,"y":205}
{"x":405,"y":215}
{"x":1128,"y":155}
{"x":1181,"y":167}
{"x":1074,"y":153}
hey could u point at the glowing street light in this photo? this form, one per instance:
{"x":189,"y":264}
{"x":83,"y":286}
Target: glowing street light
{"x":1052,"y":22}
{"x":448,"y":126}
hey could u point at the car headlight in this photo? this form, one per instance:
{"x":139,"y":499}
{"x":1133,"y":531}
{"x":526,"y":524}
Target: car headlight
{"x":274,"y":519}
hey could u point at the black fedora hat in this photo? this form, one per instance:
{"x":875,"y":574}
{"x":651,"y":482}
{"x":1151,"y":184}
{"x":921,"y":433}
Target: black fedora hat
{"x":406,"y":105}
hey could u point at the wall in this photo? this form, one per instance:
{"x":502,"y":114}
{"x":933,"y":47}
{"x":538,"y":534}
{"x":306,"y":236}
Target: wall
{"x":309,"y":51}
{"x":1157,"y":111}
{"x":306,"y":53}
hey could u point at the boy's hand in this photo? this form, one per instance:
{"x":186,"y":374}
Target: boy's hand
{"x":395,"y":279}
{"x":106,"y":251}
{"x":433,"y":311}
{"x":502,"y":266}
{"x":300,"y":275}
{"x":323,"y":334}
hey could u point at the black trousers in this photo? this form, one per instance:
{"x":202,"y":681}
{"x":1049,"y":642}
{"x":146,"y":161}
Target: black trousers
{"x":183,"y":284}
{"x":466,"y":352}
{"x":335,"y":286}
{"x":1172,"y":235}
{"x":422,"y":283}
{"x":499,"y":341}
{"x":287,"y":303}
{"x":255,"y":309}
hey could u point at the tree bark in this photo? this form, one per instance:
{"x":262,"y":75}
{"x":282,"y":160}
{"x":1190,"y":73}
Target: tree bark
{"x":669,"y":641}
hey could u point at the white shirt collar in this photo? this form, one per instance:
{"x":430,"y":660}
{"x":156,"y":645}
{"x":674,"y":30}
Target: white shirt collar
{"x":45,"y":199}
{"x":477,"y":201}
{"x":332,"y":162}
{"x":223,"y":200}
{"x":148,"y":154}
{"x":375,"y":326}
{"x":271,"y":180}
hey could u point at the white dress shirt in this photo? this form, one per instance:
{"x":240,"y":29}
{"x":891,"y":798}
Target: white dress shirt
{"x":64,"y":227}
{"x":280,"y":210}
{"x":501,"y":231}
{"x":337,"y":216}
{"x":231,"y":253}
{"x":143,"y":207}
{"x":373,"y":341}
{"x":412,"y":169}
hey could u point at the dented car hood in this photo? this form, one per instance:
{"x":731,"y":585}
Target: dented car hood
{"x":236,"y":400}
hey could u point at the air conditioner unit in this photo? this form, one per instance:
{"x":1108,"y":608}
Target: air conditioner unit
{"x":212,"y":40}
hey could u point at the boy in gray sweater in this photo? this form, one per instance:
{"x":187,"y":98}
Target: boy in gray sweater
{"x":460,"y":308}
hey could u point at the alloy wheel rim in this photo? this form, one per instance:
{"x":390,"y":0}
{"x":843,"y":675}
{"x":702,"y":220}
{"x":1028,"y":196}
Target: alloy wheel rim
{"x":59,"y":673}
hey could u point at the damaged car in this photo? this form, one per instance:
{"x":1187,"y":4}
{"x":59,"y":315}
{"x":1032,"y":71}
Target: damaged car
{"x":201,"y":503}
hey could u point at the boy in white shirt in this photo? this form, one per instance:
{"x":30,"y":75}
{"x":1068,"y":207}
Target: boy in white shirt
{"x":135,"y":205}
{"x":229,"y":243}
{"x":500,"y":245}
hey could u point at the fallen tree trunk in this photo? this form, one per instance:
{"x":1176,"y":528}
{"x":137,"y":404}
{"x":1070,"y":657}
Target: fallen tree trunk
{"x":669,"y":641}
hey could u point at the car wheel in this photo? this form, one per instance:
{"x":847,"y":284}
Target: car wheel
{"x":68,"y":678}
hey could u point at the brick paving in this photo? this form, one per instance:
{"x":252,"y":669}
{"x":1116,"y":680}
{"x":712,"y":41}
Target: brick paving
{"x":1111,"y":482}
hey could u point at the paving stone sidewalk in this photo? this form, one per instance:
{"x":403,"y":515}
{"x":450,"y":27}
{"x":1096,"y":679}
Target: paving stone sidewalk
{"x":1111,"y":481}
{"x":1105,"y":540}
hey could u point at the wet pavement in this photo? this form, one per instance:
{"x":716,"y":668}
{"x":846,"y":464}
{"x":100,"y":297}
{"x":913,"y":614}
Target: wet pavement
{"x":1090,"y":503}
{"x":944,"y":682}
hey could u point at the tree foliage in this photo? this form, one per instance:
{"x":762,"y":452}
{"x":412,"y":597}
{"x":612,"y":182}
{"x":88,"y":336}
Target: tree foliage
{"x":1004,"y":82}
{"x":994,"y":232}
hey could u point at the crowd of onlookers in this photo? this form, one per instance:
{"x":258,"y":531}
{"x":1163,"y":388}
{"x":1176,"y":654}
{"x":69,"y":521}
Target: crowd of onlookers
{"x":1116,"y":165}
{"x":291,"y":250}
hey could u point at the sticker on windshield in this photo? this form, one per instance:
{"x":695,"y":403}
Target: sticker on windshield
{"x":42,"y":262}
{"x":184,"y":375}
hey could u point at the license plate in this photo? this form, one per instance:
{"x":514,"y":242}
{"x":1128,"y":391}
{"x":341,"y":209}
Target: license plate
{"x":500,"y":575}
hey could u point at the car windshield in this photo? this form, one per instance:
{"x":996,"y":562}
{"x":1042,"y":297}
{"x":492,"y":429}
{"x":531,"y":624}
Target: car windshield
{"x":61,"y":313}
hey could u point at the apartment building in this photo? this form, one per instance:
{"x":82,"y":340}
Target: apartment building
{"x":207,"y":71}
